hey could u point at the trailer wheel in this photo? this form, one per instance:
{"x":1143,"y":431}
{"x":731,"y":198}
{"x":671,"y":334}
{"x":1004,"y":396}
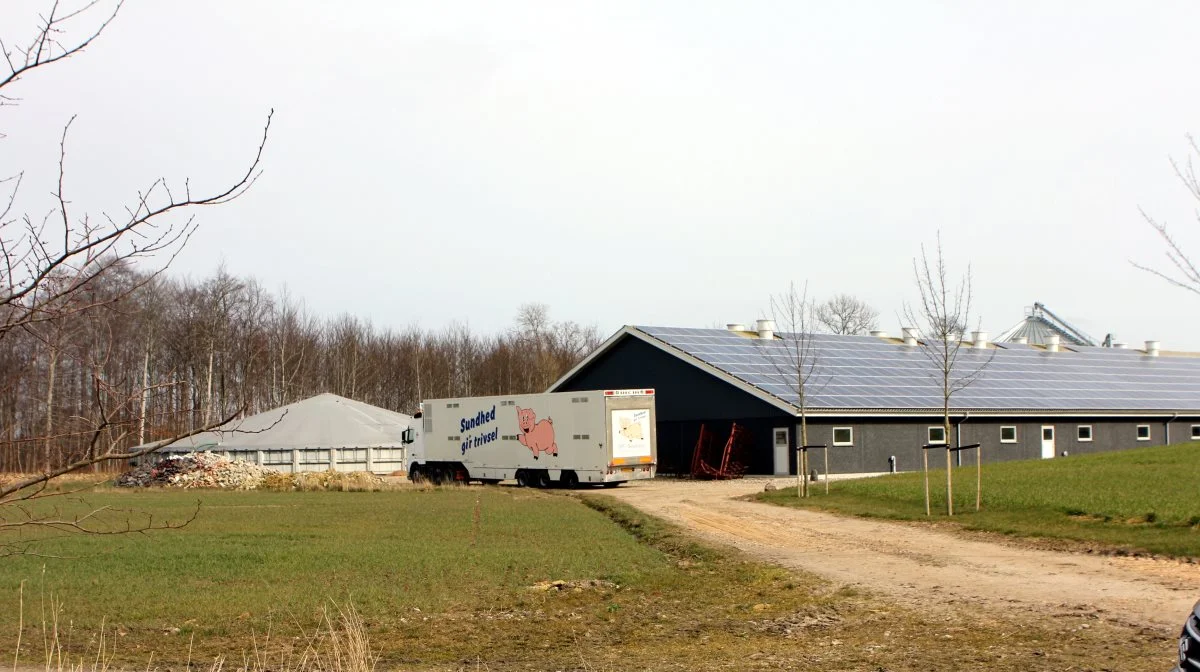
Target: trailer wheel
{"x":416,"y":474}
{"x":523,"y":479}
{"x":569,"y":479}
{"x":542,"y":479}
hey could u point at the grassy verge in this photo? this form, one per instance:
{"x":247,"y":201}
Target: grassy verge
{"x":1136,"y":500}
{"x":448,"y":579}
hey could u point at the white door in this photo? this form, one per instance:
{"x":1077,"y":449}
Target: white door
{"x":1047,"y":441}
{"x":782,"y":448}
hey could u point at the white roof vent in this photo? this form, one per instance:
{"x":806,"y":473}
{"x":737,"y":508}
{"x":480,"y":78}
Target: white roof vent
{"x":910,"y":335}
{"x":981,"y":338}
{"x":1117,"y":345}
{"x":1052,"y":342}
{"x":879,"y":333}
{"x":735,"y":326}
{"x":1021,"y":340}
{"x":1152,"y":348}
{"x":765,"y":328}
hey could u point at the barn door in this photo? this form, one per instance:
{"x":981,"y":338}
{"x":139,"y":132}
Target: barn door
{"x":782,"y":451}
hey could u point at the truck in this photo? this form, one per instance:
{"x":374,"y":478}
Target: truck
{"x":563,"y":439}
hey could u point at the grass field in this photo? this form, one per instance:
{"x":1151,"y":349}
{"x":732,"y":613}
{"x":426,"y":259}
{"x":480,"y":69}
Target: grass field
{"x":1146,"y":499}
{"x":442,"y":580}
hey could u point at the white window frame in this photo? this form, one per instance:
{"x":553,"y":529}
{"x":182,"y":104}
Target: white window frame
{"x":1196,"y":431}
{"x":843,"y":443}
{"x":1014,"y":431}
{"x":1139,"y":433}
{"x":1079,"y":431}
{"x":929,"y":436}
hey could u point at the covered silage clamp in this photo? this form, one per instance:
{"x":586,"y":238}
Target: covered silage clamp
{"x":317,"y":434}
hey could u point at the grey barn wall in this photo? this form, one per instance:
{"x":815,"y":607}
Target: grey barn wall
{"x":875,"y":439}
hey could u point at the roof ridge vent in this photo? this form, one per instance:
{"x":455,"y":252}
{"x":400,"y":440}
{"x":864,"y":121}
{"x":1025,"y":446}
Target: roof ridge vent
{"x":765,"y":328}
{"x":1152,"y":348}
{"x":879,"y":333}
{"x":1052,"y":342}
{"x":981,"y":339}
{"x":735,"y":326}
{"x":910,"y":335}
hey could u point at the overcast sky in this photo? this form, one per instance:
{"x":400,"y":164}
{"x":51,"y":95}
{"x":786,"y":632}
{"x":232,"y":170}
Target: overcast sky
{"x":666,"y":163}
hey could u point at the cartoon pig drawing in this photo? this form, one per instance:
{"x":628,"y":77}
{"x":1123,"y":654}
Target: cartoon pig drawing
{"x":631,"y":430}
{"x":536,"y":436}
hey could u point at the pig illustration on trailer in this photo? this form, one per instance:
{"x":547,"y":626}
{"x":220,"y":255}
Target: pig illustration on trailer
{"x":537,"y":436}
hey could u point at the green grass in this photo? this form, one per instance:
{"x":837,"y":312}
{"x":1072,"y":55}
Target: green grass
{"x":437,"y":590}
{"x":1146,"y":499}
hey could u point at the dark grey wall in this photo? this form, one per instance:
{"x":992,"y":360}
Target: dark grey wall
{"x":877,"y":439}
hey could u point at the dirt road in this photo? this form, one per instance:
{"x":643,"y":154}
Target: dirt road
{"x":925,"y":567}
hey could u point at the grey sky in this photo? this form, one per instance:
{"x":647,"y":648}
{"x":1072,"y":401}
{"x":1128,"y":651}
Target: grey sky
{"x":669,"y":163}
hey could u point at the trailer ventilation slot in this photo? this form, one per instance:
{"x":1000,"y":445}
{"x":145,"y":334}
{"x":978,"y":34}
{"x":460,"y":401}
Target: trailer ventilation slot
{"x":508,"y":402}
{"x":579,"y":400}
{"x":509,"y":437}
{"x":455,"y":405}
{"x":584,"y":437}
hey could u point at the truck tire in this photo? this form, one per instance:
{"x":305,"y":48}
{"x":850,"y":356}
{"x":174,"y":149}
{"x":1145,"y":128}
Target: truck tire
{"x":416,"y":474}
{"x":523,"y":479}
{"x":542,"y":479}
{"x":568,"y":479}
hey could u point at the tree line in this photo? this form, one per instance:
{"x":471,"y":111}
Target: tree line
{"x":162,"y":356}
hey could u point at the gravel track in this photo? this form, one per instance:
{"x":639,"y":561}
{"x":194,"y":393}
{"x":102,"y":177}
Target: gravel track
{"x":922,"y":566}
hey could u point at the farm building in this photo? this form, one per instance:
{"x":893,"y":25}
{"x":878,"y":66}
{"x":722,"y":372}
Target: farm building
{"x":875,"y":398}
{"x":316,"y":434}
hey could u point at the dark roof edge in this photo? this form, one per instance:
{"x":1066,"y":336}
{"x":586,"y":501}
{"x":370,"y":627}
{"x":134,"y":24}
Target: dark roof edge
{"x":634,"y":332}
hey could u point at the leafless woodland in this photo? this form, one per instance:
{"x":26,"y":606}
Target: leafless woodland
{"x":174,"y":355}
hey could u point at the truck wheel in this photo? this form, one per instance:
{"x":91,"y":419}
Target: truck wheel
{"x":416,"y":474}
{"x":523,"y":479}
{"x":569,"y":479}
{"x":542,"y":479}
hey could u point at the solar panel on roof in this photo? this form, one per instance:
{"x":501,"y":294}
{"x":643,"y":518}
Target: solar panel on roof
{"x":866,"y":372}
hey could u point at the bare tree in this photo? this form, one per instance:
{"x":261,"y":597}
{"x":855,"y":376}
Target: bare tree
{"x":845,"y":314}
{"x":794,"y":357}
{"x":48,"y":261}
{"x":1185,"y":273}
{"x":942,"y":317}
{"x":61,"y":267}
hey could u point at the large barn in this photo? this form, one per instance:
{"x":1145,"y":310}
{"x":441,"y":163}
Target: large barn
{"x":875,"y":400}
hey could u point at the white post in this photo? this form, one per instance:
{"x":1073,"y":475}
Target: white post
{"x":295,"y":460}
{"x":370,"y":462}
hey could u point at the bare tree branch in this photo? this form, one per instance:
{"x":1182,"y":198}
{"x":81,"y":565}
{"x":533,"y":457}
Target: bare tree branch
{"x":1185,"y":273}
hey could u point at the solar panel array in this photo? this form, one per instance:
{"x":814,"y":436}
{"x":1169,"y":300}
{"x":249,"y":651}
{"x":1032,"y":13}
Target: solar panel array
{"x":866,"y":372}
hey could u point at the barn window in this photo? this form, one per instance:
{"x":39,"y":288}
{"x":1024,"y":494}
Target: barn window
{"x":1008,"y":434}
{"x":1196,"y":431}
{"x":937,"y":435}
{"x":843,"y":436}
{"x":1143,"y":432}
{"x":1085,"y":433}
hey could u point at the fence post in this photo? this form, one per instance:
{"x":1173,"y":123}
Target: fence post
{"x":295,"y":460}
{"x":370,"y":461}
{"x":333,"y":459}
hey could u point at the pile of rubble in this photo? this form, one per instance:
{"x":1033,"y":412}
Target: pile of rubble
{"x":196,"y":470}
